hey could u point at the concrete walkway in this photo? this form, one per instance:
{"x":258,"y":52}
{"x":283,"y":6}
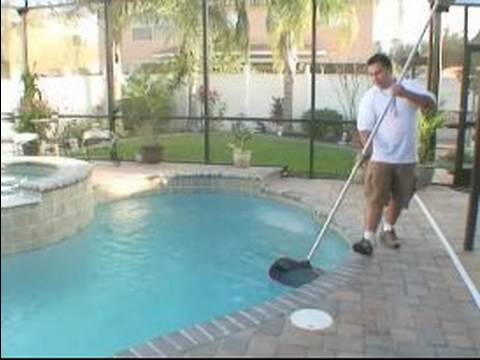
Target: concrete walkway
{"x":398,"y":303}
{"x":449,"y":208}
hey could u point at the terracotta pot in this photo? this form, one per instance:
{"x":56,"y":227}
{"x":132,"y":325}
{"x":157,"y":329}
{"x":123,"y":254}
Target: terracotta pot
{"x":151,"y":154}
{"x":31,"y":148}
{"x":424,"y":174}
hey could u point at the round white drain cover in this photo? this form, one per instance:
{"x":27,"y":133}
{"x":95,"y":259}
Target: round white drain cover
{"x":311,"y":319}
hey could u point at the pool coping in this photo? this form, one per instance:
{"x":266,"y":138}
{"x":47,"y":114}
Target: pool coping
{"x":69,"y":171}
{"x":178,"y":343}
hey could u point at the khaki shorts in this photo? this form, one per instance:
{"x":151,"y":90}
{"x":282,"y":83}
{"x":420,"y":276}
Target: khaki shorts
{"x":385,"y":181}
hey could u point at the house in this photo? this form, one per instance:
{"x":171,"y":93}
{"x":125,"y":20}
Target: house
{"x":144,"y":43}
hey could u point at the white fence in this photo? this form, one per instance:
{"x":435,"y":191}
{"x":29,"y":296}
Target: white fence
{"x":76,"y":94}
{"x":248,"y":94}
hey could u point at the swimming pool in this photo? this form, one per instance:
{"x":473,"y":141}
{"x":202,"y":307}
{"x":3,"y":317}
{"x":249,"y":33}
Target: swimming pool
{"x":151,"y":265}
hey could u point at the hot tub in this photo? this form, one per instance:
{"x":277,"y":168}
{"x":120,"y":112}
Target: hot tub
{"x":51,"y":200}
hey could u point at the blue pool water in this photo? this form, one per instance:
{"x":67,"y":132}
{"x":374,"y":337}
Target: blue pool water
{"x":148,"y":266}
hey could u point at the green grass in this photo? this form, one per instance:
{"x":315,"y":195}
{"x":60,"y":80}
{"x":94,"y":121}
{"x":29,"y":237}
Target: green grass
{"x":268,"y":150}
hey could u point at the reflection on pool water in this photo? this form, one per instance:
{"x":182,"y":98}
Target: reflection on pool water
{"x":148,"y":266}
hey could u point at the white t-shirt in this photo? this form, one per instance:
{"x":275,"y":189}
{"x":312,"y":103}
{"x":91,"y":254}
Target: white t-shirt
{"x":395,"y":141}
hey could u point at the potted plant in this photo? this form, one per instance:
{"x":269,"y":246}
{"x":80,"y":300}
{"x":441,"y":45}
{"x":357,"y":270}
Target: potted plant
{"x":428,"y":123}
{"x":150,"y":96}
{"x":32,"y":107}
{"x":152,"y":151}
{"x":241,"y":155}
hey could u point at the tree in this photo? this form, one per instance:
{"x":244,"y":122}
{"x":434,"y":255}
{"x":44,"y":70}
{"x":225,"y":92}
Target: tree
{"x":350,"y":83}
{"x":287,"y":24}
{"x":400,"y":51}
{"x":183,"y":20}
{"x":225,"y":39}
{"x":123,"y":12}
{"x":452,"y":54}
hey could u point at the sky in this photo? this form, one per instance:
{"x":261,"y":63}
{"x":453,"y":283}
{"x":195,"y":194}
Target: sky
{"x":392,"y":20}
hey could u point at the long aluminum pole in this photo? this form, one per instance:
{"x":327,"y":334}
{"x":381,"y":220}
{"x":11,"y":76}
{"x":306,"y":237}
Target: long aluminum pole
{"x":370,"y":138}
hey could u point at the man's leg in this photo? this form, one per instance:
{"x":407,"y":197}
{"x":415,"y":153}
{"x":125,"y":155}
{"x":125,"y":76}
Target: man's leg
{"x":392,"y":212}
{"x":377,"y":194}
{"x":372,"y":217}
{"x":402,"y":191}
{"x":390,"y":217}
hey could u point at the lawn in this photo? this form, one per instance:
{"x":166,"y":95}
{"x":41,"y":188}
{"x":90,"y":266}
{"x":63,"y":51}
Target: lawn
{"x":330,"y":160}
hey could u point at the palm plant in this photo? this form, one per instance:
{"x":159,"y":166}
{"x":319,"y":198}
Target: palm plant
{"x":182,"y":20}
{"x":32,"y":104}
{"x":428,"y":124}
{"x":186,"y":21}
{"x":122,"y":13}
{"x":287,"y":24}
{"x":242,"y":29}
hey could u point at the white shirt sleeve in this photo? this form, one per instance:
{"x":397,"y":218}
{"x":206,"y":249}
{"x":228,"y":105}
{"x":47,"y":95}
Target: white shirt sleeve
{"x":366,"y":113}
{"x":417,"y":88}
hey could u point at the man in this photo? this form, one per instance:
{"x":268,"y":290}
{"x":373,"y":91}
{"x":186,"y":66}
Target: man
{"x":390,"y":177}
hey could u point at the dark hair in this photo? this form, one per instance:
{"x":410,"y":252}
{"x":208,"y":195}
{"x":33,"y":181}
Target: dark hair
{"x":382,"y":59}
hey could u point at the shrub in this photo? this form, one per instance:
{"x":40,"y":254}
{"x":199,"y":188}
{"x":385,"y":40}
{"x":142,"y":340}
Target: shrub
{"x":328,"y":124}
{"x":145,"y":95}
{"x":277,"y":108}
{"x":216,"y":106}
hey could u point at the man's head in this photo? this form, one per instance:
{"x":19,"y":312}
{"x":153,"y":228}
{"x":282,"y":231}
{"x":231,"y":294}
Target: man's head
{"x":380,"y":70}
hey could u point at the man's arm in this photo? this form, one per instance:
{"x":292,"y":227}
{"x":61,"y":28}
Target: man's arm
{"x":364,"y":134}
{"x":424,"y":102}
